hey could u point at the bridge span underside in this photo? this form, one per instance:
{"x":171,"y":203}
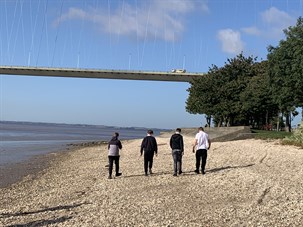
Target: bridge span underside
{"x":99,"y":74}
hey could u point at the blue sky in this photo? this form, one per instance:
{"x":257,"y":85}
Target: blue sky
{"x":151,"y":35}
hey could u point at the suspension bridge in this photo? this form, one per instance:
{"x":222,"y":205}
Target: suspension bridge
{"x":99,"y":74}
{"x":44,"y":41}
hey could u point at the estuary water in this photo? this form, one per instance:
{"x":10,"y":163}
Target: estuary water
{"x":20,"y":141}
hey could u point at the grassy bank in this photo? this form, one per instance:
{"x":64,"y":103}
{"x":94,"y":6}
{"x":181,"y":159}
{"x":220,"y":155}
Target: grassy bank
{"x":296,"y":138}
{"x":287,"y":138}
{"x":265,"y":134}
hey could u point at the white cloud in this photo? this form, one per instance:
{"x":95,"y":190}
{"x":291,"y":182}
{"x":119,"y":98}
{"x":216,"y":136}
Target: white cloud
{"x":73,"y":13}
{"x":161,"y":18}
{"x":276,"y":17}
{"x":231,"y":41}
{"x":274,"y":22}
{"x":252,"y":31}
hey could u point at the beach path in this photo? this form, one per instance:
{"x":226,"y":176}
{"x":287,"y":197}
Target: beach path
{"x":247,"y":183}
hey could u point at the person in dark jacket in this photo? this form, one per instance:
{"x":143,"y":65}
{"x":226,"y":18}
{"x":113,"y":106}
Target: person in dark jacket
{"x":177,"y":146}
{"x":114,"y":146}
{"x":150,"y":148}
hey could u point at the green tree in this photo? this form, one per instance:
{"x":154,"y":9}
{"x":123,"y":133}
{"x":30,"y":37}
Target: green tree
{"x":218,"y":93}
{"x":286,"y":71}
{"x":256,"y":98}
{"x":202,"y":98}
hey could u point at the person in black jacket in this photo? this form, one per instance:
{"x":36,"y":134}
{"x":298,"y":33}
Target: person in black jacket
{"x":177,"y":146}
{"x":150,"y":147}
{"x":114,"y":147}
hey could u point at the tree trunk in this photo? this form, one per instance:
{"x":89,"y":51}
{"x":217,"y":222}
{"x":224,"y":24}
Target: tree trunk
{"x":278,"y":122}
{"x":287,"y":122}
{"x":208,"y":120}
{"x":220,"y":122}
{"x":225,"y":121}
{"x":290,"y":126}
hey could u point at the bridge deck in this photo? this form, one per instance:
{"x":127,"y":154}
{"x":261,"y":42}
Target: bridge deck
{"x":100,"y":74}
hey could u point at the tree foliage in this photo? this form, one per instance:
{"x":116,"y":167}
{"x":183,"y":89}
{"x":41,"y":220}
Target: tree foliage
{"x":222,"y":93}
{"x":286,"y":71}
{"x":246,"y":92}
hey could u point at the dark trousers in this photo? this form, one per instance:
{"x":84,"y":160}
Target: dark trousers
{"x":148,"y":160}
{"x":201,"y":154}
{"x":177,"y":157}
{"x":111,"y":160}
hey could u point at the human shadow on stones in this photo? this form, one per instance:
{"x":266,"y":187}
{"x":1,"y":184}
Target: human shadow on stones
{"x":149,"y":175}
{"x":228,"y":167}
{"x":188,"y":172}
{"x":66,"y":207}
{"x":43,"y":222}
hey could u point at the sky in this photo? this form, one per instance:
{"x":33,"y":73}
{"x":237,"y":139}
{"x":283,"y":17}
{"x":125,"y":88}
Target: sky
{"x":149,"y":35}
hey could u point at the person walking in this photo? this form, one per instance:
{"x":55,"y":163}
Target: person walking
{"x":114,"y":146}
{"x":177,"y":146}
{"x":150,"y":148}
{"x":201,"y":145}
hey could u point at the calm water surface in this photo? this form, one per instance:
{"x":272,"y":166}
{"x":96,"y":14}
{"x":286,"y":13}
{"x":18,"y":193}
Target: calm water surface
{"x":20,"y":141}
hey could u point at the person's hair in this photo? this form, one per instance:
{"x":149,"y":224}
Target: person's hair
{"x":116,"y":134}
{"x":178,"y":130}
{"x":201,"y":129}
{"x":150,"y":131}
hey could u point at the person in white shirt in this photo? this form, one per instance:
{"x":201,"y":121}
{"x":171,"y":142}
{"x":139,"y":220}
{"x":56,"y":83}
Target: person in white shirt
{"x":200,"y":147}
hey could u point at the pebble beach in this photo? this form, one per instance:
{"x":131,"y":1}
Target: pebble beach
{"x":247,"y":183}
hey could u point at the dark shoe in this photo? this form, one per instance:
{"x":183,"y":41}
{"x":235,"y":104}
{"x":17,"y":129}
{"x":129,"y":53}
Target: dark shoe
{"x":180,"y":172}
{"x":197,"y":171}
{"x":175,"y":175}
{"x":118,"y":174}
{"x":150,"y":171}
{"x":146,"y":174}
{"x":203,"y":172}
{"x":110,"y":177}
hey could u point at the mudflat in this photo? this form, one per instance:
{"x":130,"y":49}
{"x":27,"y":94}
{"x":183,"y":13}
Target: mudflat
{"x":247,"y":183}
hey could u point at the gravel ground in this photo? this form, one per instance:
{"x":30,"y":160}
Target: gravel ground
{"x":247,"y":183}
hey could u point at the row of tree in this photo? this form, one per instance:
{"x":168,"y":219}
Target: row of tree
{"x":247,"y":92}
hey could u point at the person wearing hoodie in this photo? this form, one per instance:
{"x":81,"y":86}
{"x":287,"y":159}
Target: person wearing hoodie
{"x":150,"y":147}
{"x":177,"y":146}
{"x":114,"y":146}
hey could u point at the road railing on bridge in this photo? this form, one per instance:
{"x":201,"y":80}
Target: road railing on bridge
{"x":99,"y":74}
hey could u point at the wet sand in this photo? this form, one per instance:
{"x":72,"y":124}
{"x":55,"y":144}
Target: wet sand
{"x":13,"y":173}
{"x":247,"y":183}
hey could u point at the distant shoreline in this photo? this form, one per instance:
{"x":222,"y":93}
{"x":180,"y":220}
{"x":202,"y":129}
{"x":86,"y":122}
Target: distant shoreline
{"x":81,"y":125}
